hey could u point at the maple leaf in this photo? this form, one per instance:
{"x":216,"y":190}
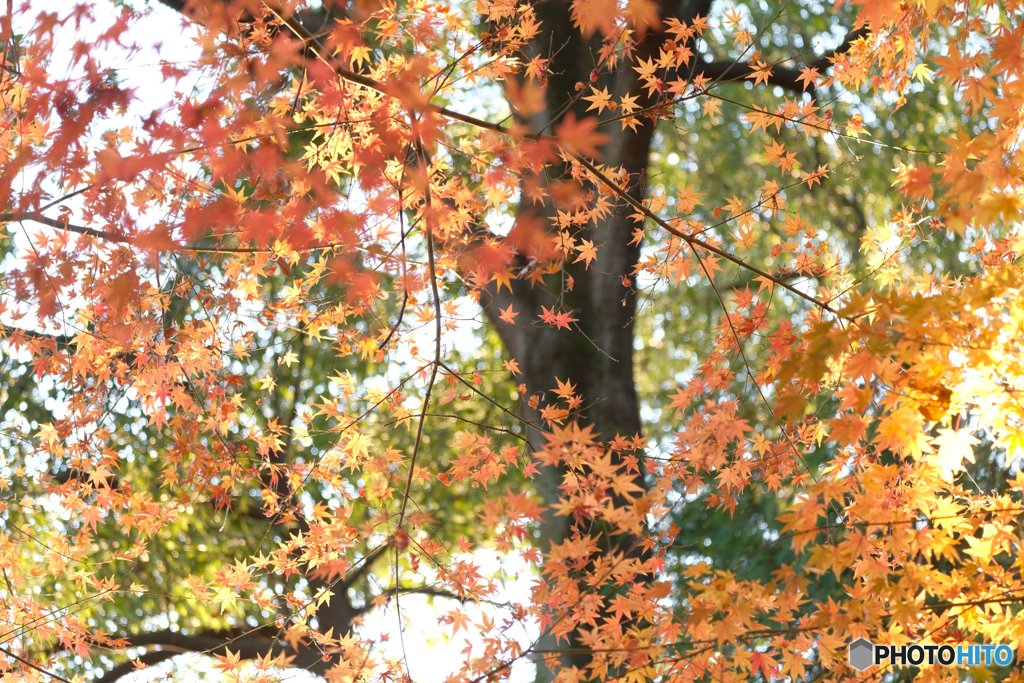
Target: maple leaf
{"x":599,"y":100}
{"x":809,"y":77}
{"x":761,"y":72}
{"x":554,"y":414}
{"x":565,"y":389}
{"x":228,"y":661}
{"x":508,"y":315}
{"x":744,"y":298}
{"x":816,"y":177}
{"x":48,"y":433}
{"x":917,"y":181}
{"x":742,"y":38}
{"x":646,"y":69}
{"x":712,"y":108}
{"x":687,"y":199}
{"x":587,"y":252}
{"x":735,"y":206}
{"x":559,"y":320}
{"x":536,"y":67}
{"x":628,"y":104}
{"x":774,"y":152}
{"x":359,"y":55}
{"x":763,"y":662}
{"x":92,"y":516}
{"x":680,"y":400}
{"x":953,"y":448}
{"x":580,"y":136}
{"x":504,"y":278}
{"x":848,"y":429}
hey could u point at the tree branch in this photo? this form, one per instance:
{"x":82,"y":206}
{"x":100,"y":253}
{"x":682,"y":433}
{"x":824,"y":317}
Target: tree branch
{"x":60,"y":225}
{"x":725,"y":72}
{"x":34,"y":666}
{"x":363,"y":566}
{"x":782,"y":76}
{"x":208,"y":643}
{"x":433,"y":592}
{"x":694,"y":241}
{"x":61,"y":340}
{"x":37,"y":217}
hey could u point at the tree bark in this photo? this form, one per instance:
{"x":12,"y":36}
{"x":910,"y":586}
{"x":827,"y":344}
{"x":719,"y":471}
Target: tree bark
{"x":597,"y":355}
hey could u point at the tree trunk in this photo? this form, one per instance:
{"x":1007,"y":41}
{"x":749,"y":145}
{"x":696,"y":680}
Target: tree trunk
{"x":596,"y":356}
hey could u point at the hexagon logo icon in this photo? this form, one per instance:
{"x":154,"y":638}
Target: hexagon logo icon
{"x":861,"y":654}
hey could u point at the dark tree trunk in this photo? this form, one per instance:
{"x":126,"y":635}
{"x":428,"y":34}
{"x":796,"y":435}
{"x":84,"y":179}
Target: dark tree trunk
{"x":597,"y":357}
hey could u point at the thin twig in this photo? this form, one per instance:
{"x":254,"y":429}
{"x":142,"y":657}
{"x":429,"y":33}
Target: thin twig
{"x":33,"y":666}
{"x":405,"y":283}
{"x":693,"y":241}
{"x":429,"y":233}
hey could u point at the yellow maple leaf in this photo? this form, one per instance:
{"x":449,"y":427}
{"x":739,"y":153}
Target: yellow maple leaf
{"x":953,"y":448}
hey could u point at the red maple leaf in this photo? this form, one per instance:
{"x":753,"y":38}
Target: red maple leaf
{"x":557,"y":319}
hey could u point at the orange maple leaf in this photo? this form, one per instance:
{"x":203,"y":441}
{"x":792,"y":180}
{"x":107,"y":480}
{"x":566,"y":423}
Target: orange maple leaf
{"x":580,"y":136}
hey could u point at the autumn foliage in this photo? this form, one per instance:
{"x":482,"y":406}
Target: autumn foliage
{"x":239,"y":417}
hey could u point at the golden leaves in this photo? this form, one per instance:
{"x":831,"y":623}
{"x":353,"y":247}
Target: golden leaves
{"x":599,"y":100}
{"x":953,"y":448}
